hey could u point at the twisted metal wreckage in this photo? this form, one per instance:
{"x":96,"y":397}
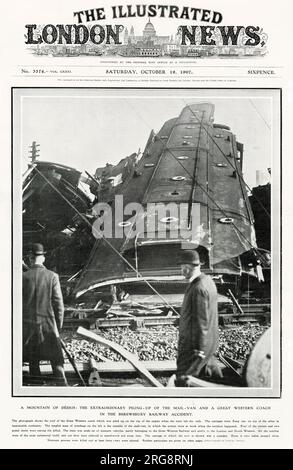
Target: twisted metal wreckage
{"x":135,"y":277}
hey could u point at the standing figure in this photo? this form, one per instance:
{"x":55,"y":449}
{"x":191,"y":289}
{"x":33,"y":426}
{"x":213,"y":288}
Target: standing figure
{"x":198,"y":324}
{"x":43,"y":312}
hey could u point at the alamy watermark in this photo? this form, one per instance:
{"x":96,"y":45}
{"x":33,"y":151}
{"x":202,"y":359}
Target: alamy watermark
{"x":152,"y":220}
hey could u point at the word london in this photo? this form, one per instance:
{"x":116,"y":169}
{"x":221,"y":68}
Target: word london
{"x":97,"y":34}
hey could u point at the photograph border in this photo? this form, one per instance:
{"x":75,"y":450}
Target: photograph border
{"x":165,"y":396}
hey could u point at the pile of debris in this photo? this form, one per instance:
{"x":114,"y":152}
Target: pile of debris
{"x":159,"y":343}
{"x":237,"y":343}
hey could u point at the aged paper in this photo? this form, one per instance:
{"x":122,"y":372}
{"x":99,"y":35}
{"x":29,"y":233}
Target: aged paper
{"x":83,"y":88}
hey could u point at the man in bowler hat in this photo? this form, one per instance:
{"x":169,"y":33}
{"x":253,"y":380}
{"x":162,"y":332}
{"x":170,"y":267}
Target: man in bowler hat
{"x":198,"y":324}
{"x":43,"y":312}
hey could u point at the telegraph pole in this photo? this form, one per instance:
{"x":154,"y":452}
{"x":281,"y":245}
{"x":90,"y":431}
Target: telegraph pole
{"x":34,"y":152}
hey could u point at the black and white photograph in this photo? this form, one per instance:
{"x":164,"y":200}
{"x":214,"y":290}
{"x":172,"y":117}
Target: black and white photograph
{"x":146,"y":242}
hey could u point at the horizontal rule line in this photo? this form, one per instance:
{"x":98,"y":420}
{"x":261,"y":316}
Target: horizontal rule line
{"x":161,"y":65}
{"x":145,"y":75}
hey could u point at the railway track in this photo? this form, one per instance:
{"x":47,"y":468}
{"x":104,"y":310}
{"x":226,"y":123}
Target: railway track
{"x":253,"y":313}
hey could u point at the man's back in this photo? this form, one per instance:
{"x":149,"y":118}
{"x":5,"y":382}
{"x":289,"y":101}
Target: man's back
{"x":42,"y":317}
{"x":42,"y":299}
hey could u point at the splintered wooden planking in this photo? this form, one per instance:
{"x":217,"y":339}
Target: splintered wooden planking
{"x":123,"y":352}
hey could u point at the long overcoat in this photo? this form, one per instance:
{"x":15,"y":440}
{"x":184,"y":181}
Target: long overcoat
{"x":198,"y":326}
{"x":43,"y":312}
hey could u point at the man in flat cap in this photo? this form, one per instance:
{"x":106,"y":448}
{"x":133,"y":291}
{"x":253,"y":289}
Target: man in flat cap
{"x":43,"y":312}
{"x":198,"y":324}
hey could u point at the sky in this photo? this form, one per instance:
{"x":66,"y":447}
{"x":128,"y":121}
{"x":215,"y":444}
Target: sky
{"x":86,"y":128}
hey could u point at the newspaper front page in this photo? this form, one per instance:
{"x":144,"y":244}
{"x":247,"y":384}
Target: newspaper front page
{"x":130,"y":133}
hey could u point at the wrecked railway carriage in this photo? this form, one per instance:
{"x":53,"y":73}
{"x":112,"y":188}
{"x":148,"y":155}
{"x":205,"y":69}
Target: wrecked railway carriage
{"x":185,"y":191}
{"x":193,"y":168}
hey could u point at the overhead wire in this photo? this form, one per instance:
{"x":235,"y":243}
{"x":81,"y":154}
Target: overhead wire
{"x":208,"y":194}
{"x":63,"y":243}
{"x":193,"y":178}
{"x":229,"y":162}
{"x":239,"y":175}
{"x":259,"y":113}
{"x":101,"y":235}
